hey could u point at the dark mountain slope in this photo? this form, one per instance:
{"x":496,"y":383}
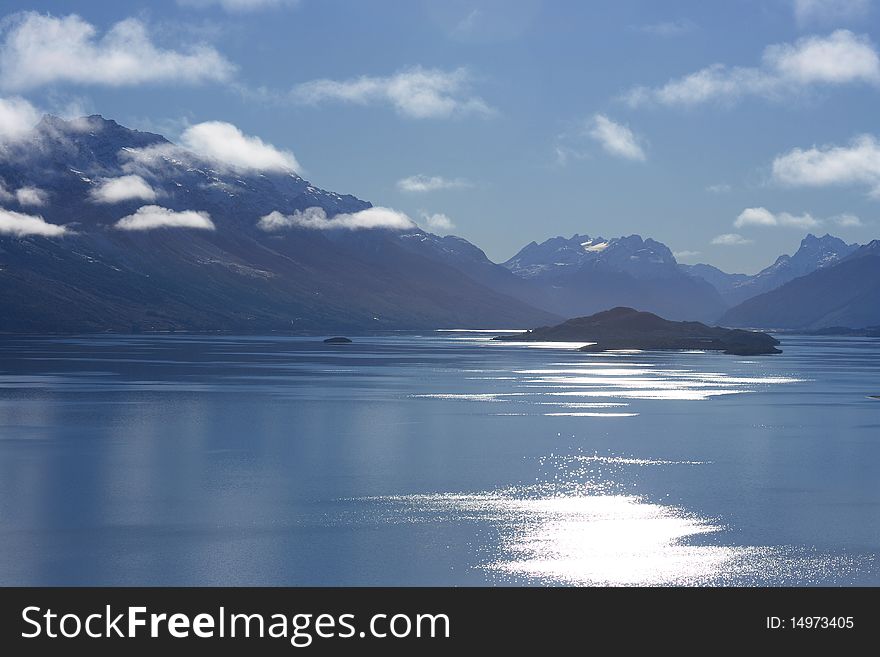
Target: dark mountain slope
{"x":846,"y":295}
{"x":237,"y":277}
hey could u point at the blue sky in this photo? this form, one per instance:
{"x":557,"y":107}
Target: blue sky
{"x":725,"y":129}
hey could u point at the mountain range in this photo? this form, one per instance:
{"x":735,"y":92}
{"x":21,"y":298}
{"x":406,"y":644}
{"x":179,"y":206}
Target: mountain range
{"x":107,"y":228}
{"x":814,"y":253}
{"x":584,"y":275}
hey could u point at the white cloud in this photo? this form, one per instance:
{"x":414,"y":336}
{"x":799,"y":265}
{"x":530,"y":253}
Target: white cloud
{"x":149,"y":217}
{"x":755,"y":217}
{"x":221,"y":145}
{"x":17,"y":118}
{"x":316,"y":219}
{"x":419,"y":93}
{"x":720,"y":188}
{"x":238,"y":6}
{"x":225,"y":143}
{"x":730,"y":239}
{"x":685,"y":255}
{"x":667,"y":29}
{"x":763,"y":217}
{"x":422,"y":183}
{"x":847,"y":221}
{"x":839,"y":58}
{"x":711,"y":83}
{"x":40,"y":49}
{"x":123,"y":188}
{"x":438,"y":221}
{"x":33,"y":196}
{"x":829,"y":11}
{"x":616,"y":139}
{"x":855,"y":164}
{"x":22,"y":225}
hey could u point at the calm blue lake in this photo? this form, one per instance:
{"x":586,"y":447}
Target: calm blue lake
{"x":435,"y":459}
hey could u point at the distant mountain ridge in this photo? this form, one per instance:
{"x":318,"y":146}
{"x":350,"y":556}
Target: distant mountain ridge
{"x":582,"y":275}
{"x":845,"y":294}
{"x":558,"y":257}
{"x":814,"y":253}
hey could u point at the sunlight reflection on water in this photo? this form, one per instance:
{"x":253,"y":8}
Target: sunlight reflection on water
{"x":623,"y":380}
{"x":619,"y":540}
{"x":582,"y":525}
{"x":583,"y":528}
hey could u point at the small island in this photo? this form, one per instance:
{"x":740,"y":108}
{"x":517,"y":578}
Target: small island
{"x":626,"y":328}
{"x":337,"y":340}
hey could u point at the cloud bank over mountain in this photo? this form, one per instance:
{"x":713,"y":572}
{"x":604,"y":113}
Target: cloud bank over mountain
{"x":316,"y":219}
{"x":151,"y":217}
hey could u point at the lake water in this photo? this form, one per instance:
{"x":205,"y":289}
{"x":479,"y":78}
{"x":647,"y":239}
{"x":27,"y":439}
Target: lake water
{"x":435,"y":459}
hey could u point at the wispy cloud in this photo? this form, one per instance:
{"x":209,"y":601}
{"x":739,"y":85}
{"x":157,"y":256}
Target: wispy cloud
{"x":563,"y":153}
{"x":787,"y":68}
{"x":763,"y":217}
{"x":616,"y":139}
{"x":421,"y":183}
{"x":40,"y":49}
{"x":469,"y":24}
{"x":807,"y":12}
{"x":137,"y":161}
{"x":32,"y":196}
{"x":238,"y":6}
{"x":847,"y":221}
{"x":667,"y":29}
{"x":719,"y":188}
{"x":437,"y":221}
{"x":855,"y":164}
{"x":123,"y":188}
{"x":685,"y":255}
{"x":482,"y":22}
{"x":151,"y":217}
{"x":23,"y":225}
{"x":418,"y":93}
{"x":730,"y":239}
{"x":317,"y":219}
